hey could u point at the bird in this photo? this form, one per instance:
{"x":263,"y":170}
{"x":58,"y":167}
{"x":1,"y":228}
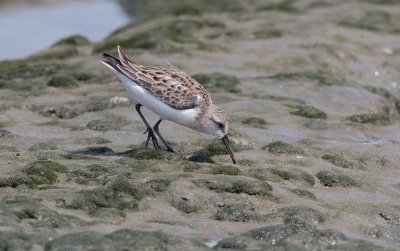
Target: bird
{"x":173,"y":95}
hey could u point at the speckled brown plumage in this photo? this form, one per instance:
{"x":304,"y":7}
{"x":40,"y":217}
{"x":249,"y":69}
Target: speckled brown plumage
{"x":172,"y":86}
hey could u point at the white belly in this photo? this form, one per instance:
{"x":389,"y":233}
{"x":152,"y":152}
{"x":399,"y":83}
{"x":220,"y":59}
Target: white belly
{"x":141,"y":96}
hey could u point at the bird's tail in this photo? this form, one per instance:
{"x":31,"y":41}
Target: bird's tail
{"x":111,"y":62}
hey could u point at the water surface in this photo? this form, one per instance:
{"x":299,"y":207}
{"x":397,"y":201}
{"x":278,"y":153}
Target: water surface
{"x":28,"y":28}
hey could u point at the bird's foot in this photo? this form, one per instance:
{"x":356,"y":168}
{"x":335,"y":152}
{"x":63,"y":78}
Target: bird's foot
{"x":151,"y":136}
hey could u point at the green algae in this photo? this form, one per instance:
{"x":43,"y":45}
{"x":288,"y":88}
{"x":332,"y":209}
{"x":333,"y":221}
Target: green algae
{"x":267,"y":32}
{"x":12,"y":240}
{"x":227,"y":170}
{"x":158,"y":185}
{"x":308,"y":111}
{"x":293,"y":174}
{"x":149,"y":154}
{"x":190,"y":166}
{"x":64,"y":81}
{"x":373,"y":20}
{"x":283,"y":6}
{"x":299,"y":214}
{"x":145,"y":41}
{"x":238,"y":213}
{"x":338,"y":161}
{"x":103,"y":197}
{"x":75,"y":40}
{"x":44,"y":172}
{"x":280,"y":147}
{"x":161,"y":38}
{"x":379,"y":119}
{"x":185,"y":206}
{"x":386,"y":94}
{"x":330,"y":179}
{"x":304,"y":193}
{"x":218,"y":82}
{"x":152,"y":8}
{"x":43,"y":146}
{"x":59,"y":53}
{"x":322,"y":77}
{"x":255,"y":122}
{"x":216,"y":147}
{"x":17,"y":180}
{"x":237,"y":185}
{"x":102,"y":125}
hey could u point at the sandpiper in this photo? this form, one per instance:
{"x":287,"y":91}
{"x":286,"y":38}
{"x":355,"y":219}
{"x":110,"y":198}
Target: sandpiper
{"x":173,"y":95}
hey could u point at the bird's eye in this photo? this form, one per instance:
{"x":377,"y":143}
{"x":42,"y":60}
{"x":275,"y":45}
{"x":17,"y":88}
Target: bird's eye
{"x":220,"y":125}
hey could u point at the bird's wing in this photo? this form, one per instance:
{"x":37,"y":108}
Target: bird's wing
{"x":171,"y":87}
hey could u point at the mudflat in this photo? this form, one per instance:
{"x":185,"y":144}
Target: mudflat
{"x":311,"y":88}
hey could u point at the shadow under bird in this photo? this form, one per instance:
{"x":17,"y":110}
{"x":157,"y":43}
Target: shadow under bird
{"x":173,"y":95}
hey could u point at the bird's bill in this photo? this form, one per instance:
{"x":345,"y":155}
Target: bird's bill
{"x":226,"y":142}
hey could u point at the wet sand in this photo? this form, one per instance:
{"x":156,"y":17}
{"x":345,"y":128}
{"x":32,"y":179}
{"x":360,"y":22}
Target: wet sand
{"x":311,"y":88}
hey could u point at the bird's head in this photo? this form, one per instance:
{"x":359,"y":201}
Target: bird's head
{"x":215,"y":122}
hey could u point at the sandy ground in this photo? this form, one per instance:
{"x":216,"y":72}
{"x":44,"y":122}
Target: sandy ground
{"x":311,"y":88}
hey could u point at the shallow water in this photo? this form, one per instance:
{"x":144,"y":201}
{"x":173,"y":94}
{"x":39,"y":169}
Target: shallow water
{"x":28,"y":28}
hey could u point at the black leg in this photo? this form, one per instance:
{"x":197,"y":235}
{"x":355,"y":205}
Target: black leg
{"x":150,"y":131}
{"x":169,"y":148}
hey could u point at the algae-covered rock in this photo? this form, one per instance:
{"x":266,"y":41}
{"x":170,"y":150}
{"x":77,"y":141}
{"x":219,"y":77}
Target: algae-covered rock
{"x":283,"y":237}
{"x":62,"y":81}
{"x":18,"y":180}
{"x":386,"y":94}
{"x":185,"y":206}
{"x":255,"y":122}
{"x":371,"y":118}
{"x":283,"y":148}
{"x":267,"y":32}
{"x":4,"y":133}
{"x":218,"y":82}
{"x":10,"y":240}
{"x":149,"y":154}
{"x":308,"y":111}
{"x":158,"y":185}
{"x":391,"y":218}
{"x":43,"y":146}
{"x":216,"y":147}
{"x":119,"y":183}
{"x":44,"y":172}
{"x":293,"y":174}
{"x":316,"y":124}
{"x":56,"y":53}
{"x":304,"y":193}
{"x":103,"y":197}
{"x":74,"y":40}
{"x":25,"y":70}
{"x":338,"y":161}
{"x":236,"y":185}
{"x":293,"y":214}
{"x":38,"y":215}
{"x":79,"y":241}
{"x":152,"y":8}
{"x":227,"y":170}
{"x":60,"y":112}
{"x":332,"y":180}
{"x":373,"y":20}
{"x":123,"y":239}
{"x":102,"y":125}
{"x":238,"y":212}
{"x":322,"y":77}
{"x":165,"y":36}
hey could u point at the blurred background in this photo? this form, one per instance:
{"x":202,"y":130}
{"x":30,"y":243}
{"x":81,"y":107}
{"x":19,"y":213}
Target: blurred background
{"x":31,"y":25}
